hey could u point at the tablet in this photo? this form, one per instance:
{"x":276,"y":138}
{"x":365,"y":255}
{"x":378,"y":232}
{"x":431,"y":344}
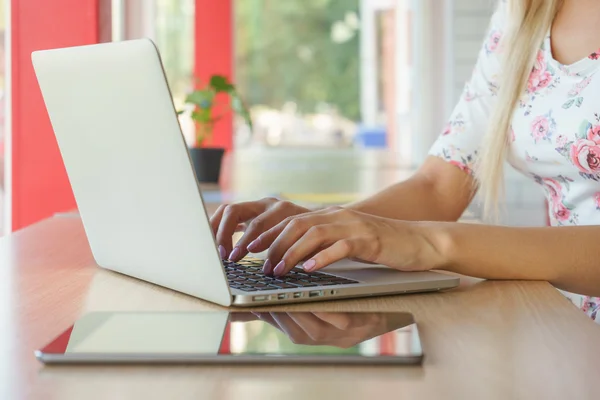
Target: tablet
{"x":238,"y":338}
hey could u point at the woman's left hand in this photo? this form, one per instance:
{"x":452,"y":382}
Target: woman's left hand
{"x":326,"y":236}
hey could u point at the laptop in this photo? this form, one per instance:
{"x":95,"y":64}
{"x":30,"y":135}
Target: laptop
{"x":140,"y":204}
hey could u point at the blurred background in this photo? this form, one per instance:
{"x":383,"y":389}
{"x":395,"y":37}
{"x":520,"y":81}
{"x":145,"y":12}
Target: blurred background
{"x":4,"y":210}
{"x":300,"y":65}
{"x":346,"y":96}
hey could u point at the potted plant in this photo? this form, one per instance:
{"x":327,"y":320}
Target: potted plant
{"x":207,"y":160}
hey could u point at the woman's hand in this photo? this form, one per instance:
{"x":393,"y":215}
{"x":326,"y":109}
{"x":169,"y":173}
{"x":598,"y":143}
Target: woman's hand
{"x":255,"y":216}
{"x":342,"y":330}
{"x":326,"y":236}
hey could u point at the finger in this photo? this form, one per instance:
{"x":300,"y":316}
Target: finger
{"x":270,"y":235}
{"x":241,"y":227}
{"x":294,"y":230}
{"x":314,"y":327}
{"x":296,"y":225}
{"x":240,"y":316}
{"x":312,"y":254}
{"x":268,"y":267}
{"x":233,"y":215}
{"x":341,"y":321}
{"x":319,"y":236}
{"x":251,"y":241}
{"x":267,"y":318}
{"x":341,"y":249}
{"x":215,"y":220}
{"x":291,"y":329}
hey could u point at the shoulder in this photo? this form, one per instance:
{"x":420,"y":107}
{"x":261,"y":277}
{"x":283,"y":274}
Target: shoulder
{"x":500,"y":16}
{"x":497,"y":28}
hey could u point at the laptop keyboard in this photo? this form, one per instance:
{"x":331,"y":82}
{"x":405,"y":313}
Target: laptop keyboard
{"x":247,"y":275}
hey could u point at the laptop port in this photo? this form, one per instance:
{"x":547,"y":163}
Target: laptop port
{"x":282,"y":296}
{"x":297,"y":295}
{"x":315,"y":293}
{"x":260,"y":298}
{"x":333,"y":292}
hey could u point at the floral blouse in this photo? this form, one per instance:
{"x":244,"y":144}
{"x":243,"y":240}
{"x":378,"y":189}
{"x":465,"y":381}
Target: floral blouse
{"x":555,"y":134}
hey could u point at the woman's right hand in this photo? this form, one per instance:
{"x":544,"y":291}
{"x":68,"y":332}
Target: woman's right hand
{"x":257,"y":217}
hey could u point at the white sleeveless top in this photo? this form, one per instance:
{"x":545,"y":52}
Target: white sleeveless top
{"x":555,"y":136}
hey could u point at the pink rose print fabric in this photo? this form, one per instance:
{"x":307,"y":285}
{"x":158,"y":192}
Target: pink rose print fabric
{"x":554,"y":137}
{"x":543,"y":127}
{"x":493,"y":41}
{"x":583,"y":149}
{"x":541,"y":76}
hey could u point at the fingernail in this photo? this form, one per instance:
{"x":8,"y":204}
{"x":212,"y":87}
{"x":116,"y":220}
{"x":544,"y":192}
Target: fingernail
{"x":267,"y":268}
{"x":309,"y":265}
{"x":235,"y":254}
{"x":254,"y":245}
{"x":279,"y":268}
{"x":222,"y":252}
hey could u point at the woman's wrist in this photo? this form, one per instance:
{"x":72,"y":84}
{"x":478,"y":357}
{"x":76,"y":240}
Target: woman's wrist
{"x":437,"y":244}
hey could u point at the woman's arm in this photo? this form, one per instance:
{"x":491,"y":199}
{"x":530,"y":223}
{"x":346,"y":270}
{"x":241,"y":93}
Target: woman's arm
{"x":439,"y":191}
{"x":567,"y":257}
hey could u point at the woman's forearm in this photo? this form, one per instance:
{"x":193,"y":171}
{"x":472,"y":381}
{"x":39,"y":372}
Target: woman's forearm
{"x":437,"y":192}
{"x":411,"y":200}
{"x":567,"y":257}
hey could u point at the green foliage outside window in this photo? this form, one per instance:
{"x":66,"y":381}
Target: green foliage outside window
{"x":285,"y":51}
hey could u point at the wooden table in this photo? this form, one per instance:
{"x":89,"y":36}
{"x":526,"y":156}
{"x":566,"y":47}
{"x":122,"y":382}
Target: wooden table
{"x":483,"y":340}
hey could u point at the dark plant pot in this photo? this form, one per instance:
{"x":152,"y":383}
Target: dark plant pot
{"x":207,"y":163}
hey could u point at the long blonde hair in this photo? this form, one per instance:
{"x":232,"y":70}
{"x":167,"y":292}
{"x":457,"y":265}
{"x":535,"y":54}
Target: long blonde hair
{"x":527,"y":24}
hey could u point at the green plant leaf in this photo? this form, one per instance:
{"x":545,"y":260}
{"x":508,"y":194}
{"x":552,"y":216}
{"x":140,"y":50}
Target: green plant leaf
{"x":204,"y":128}
{"x":202,"y":116}
{"x":584,"y":127}
{"x":238,"y":106}
{"x":220,"y":84}
{"x":202,"y":98}
{"x":579,"y":101}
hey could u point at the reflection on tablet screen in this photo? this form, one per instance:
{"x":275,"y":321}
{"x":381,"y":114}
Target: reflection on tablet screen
{"x":243,"y":333}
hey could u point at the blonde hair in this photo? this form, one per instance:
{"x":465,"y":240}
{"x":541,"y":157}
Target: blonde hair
{"x":528,"y":22}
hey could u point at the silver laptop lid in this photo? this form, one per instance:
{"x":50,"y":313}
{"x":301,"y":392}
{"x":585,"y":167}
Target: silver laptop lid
{"x":122,"y":146}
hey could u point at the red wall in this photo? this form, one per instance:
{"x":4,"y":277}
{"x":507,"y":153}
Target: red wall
{"x":214,"y":55}
{"x":40,"y":186}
